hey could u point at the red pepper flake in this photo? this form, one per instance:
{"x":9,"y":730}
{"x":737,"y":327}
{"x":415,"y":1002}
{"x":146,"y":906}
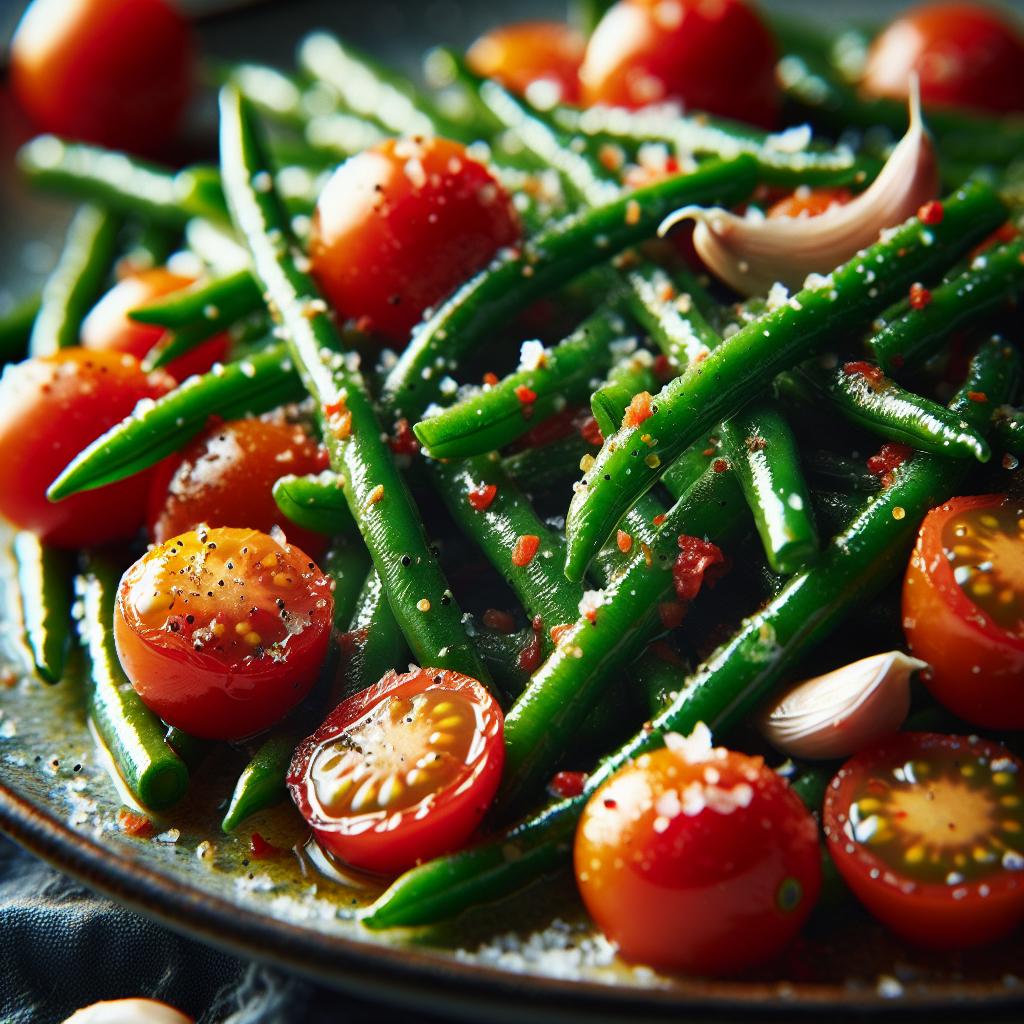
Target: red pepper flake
{"x":873,"y":374}
{"x":491,"y":378}
{"x":567,"y":784}
{"x":931,"y":213}
{"x":639,"y":410}
{"x":977,"y":396}
{"x":671,"y":613}
{"x":339,"y":419}
{"x":648,"y":556}
{"x":134,"y":824}
{"x":624,"y":541}
{"x":525,"y":548}
{"x":720,"y":465}
{"x":530,"y":655}
{"x":499,"y":621}
{"x":404,"y":440}
{"x":663,"y":368}
{"x":526,"y":395}
{"x":557,"y":632}
{"x":554,"y":428}
{"x":591,"y":432}
{"x":888,"y":459}
{"x":658,"y":519}
{"x":260,"y":849}
{"x":349,"y":643}
{"x":708,"y":452}
{"x":482,"y":498}
{"x":919,"y":296}
{"x":695,"y":561}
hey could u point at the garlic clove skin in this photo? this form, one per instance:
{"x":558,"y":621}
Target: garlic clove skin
{"x":835,"y":715}
{"x":128,"y":1011}
{"x":750,"y":254}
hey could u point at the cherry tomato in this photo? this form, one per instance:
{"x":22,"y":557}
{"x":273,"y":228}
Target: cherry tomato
{"x":963,"y":608}
{"x":928,"y":832}
{"x":965,"y":55}
{"x":222,"y":631}
{"x":399,"y":226}
{"x":716,"y":57}
{"x":401,"y":772}
{"x":538,"y":59}
{"x":225,"y":477}
{"x":809,"y":202}
{"x":50,"y":409}
{"x":108,"y":326}
{"x":697,"y":859}
{"x":113,"y":72}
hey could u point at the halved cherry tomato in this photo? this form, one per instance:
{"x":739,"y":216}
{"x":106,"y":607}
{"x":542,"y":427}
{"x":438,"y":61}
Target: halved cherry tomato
{"x":928,"y":831}
{"x":114,"y":72}
{"x":401,"y":772}
{"x":50,"y":409}
{"x":809,"y":202}
{"x":108,"y":326}
{"x":717,"y":57}
{"x":223,"y":631}
{"x":399,"y":226}
{"x":225,"y":477}
{"x":697,"y":859}
{"x":539,"y":59}
{"x":965,"y":55}
{"x":963,"y":608}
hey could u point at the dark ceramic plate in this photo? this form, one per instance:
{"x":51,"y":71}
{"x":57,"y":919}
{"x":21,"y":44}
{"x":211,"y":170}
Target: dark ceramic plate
{"x":533,"y":955}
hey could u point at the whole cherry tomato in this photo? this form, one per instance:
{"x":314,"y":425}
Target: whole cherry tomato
{"x":401,"y":772}
{"x":963,"y":608}
{"x":108,"y":325}
{"x":965,"y":55}
{"x":697,"y":859}
{"x":399,"y":226}
{"x":223,"y":631}
{"x":50,"y":409}
{"x":716,"y":57}
{"x":114,"y":72}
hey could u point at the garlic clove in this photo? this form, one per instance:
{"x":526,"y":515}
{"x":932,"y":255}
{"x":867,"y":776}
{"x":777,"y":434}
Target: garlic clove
{"x":837,"y":714}
{"x":128,"y":1011}
{"x":750,"y":254}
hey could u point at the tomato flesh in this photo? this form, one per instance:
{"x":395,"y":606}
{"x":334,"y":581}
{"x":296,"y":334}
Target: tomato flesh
{"x":108,"y":326}
{"x":699,"y":862}
{"x":928,"y":831}
{"x":963,"y":608}
{"x":222,"y":631}
{"x":401,"y":772}
{"x":50,"y":409}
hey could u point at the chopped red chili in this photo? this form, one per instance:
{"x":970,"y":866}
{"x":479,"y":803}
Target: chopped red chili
{"x":567,"y":784}
{"x":624,"y":541}
{"x":404,"y":442}
{"x":134,"y":824}
{"x":526,"y":395}
{"x":696,"y":557}
{"x":639,"y":410}
{"x":482,"y":497}
{"x":919,"y":296}
{"x":525,"y":548}
{"x":931,"y":213}
{"x":591,"y":432}
{"x":888,"y":459}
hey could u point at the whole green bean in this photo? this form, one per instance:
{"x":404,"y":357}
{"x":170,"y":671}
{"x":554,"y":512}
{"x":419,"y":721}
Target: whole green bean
{"x":854,"y":567}
{"x":16,"y":328}
{"x":627,"y":378}
{"x":315,"y":503}
{"x":44,"y":577}
{"x":735,"y":371}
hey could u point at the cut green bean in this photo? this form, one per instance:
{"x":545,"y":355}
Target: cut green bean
{"x":315,"y":503}
{"x":44,"y":576}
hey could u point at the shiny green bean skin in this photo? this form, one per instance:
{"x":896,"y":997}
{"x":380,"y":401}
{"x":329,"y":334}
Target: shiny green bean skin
{"x":249,"y":387}
{"x":1008,"y":430}
{"x":734,"y":372}
{"x":16,"y":329}
{"x":626,"y":379}
{"x":44,"y":577}
{"x":133,"y":735}
{"x":262,"y":782}
{"x":315,"y":503}
{"x":76,"y":282}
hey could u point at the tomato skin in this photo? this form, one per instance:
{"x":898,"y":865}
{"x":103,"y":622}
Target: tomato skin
{"x":965,"y":55}
{"x":398,"y":227}
{"x":653,"y":51}
{"x":390,"y":841}
{"x":976,"y":668}
{"x":114,"y":72}
{"x":923,"y":913}
{"x":226,"y":475}
{"x":528,"y":52}
{"x":227,"y":688}
{"x":109,"y":328}
{"x":697,"y":892}
{"x":50,"y":409}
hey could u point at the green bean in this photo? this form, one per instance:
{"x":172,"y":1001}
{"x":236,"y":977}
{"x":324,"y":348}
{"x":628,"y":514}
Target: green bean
{"x":626,"y":379}
{"x":547,"y":466}
{"x":133,"y":735}
{"x":1008,"y":430}
{"x":189,"y":748}
{"x":502,"y":653}
{"x":376,"y":493}
{"x":834,"y":510}
{"x":251,"y":386}
{"x":376,"y":639}
{"x":262,"y":782}
{"x":44,"y":576}
{"x":76,"y":281}
{"x":734,"y":680}
{"x":734,"y":372}
{"x":16,"y":328}
{"x":810,"y":782}
{"x":763,"y":450}
{"x":830,"y":470}
{"x":315,"y":503}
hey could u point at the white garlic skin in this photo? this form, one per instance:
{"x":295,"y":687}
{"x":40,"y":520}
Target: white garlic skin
{"x":128,"y":1011}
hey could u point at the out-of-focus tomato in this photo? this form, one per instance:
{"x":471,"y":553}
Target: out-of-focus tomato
{"x":50,"y":409}
{"x":108,"y":326}
{"x":113,"y":72}
{"x":965,"y":55}
{"x":399,"y":226}
{"x":715,"y":56}
{"x":809,"y":202}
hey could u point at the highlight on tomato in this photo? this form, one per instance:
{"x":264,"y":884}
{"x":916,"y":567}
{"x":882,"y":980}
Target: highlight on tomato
{"x":108,"y":327}
{"x":964,"y":55}
{"x":698,"y":859}
{"x":114,"y":72}
{"x":226,"y":477}
{"x":928,"y":832}
{"x":963,"y":608}
{"x":401,"y":772}
{"x":222,"y":631}
{"x":400,"y":226}
{"x":717,"y":58}
{"x":52,"y":407}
